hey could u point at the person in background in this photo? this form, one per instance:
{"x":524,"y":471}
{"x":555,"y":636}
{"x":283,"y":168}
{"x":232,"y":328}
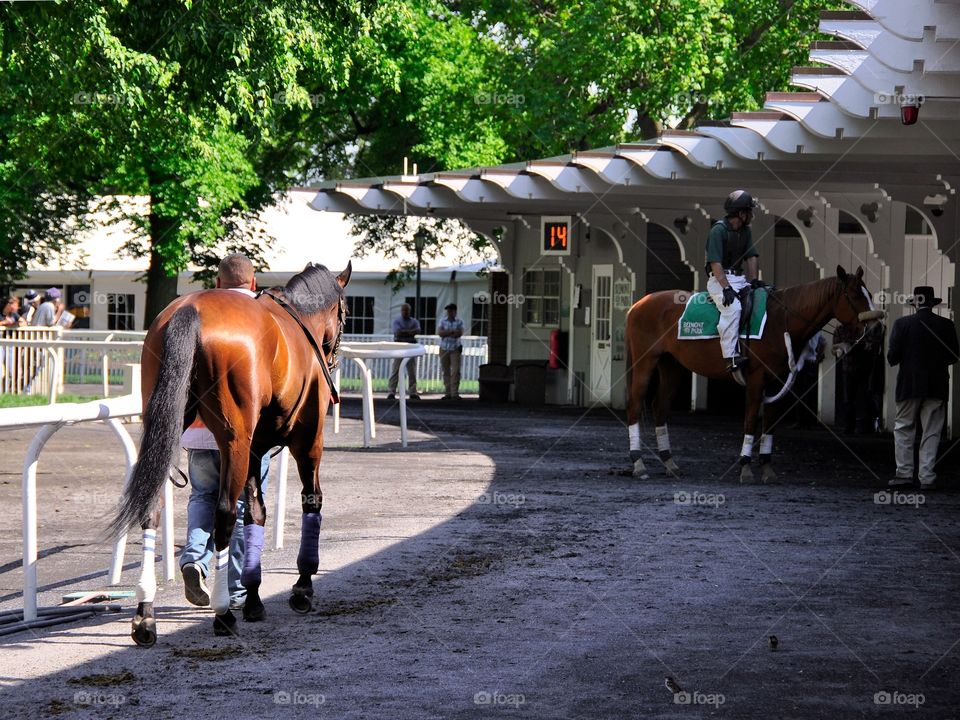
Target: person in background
{"x":203,"y":459}
{"x":63,"y":317}
{"x":11,"y":312}
{"x":30,"y":302}
{"x":405,"y":329}
{"x":450,"y":330}
{"x":924,"y":345}
{"x":47,"y":312}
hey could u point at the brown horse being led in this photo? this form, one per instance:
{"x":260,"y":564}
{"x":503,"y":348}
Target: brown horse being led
{"x":799,"y":311}
{"x":254,"y":370}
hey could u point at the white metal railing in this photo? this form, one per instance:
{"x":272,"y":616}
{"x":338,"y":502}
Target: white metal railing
{"x":50,"y":419}
{"x":428,"y":365}
{"x":32,"y":357}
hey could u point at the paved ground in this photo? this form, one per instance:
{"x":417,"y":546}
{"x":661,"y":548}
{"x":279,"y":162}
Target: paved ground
{"x":506,"y":565}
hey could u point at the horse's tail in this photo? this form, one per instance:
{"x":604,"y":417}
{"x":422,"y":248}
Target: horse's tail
{"x":162,"y":421}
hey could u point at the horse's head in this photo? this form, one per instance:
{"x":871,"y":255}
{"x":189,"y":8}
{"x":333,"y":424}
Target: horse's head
{"x":854,"y":307}
{"x":318,"y":296}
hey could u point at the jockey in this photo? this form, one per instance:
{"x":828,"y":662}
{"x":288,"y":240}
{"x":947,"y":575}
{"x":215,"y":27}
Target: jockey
{"x":729,"y":248}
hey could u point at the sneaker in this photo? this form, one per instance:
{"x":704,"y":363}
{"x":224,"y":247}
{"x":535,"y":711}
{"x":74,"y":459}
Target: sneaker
{"x":900,"y":482}
{"x":391,"y":396}
{"x":414,"y":396}
{"x":193,"y":585}
{"x":928,"y":486}
{"x":447,"y":397}
{"x":237,"y":603}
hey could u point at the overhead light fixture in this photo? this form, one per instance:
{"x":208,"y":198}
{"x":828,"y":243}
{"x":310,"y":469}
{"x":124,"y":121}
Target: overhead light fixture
{"x":910,"y":109}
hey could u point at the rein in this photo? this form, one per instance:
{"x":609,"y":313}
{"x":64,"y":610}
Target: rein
{"x":324,"y":366}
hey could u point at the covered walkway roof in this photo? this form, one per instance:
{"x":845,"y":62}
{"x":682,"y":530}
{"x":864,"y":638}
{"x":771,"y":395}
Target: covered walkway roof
{"x":842,"y":133}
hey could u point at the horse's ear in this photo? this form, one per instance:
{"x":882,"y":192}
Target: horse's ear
{"x":860,"y":272}
{"x":308,"y":266}
{"x":841,"y":273}
{"x":344,"y":277}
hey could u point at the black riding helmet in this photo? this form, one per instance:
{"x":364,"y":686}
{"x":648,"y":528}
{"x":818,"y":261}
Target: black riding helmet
{"x":738,"y":200}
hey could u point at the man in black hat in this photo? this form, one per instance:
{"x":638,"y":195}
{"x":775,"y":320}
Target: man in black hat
{"x":924,"y":345}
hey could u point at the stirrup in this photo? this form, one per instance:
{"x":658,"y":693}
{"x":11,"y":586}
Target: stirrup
{"x":736,"y":363}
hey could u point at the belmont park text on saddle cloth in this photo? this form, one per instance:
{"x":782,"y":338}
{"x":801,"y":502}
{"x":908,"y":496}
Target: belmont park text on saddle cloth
{"x":700,"y":317}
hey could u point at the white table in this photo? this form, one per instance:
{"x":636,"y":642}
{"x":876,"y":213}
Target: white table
{"x":361,"y":351}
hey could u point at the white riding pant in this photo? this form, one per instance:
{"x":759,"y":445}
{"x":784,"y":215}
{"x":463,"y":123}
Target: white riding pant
{"x":729,"y":323}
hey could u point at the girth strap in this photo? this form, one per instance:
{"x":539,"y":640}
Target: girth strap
{"x":292,"y":312}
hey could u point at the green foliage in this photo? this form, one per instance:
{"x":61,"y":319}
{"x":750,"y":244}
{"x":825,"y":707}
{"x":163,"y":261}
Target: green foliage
{"x":396,"y":237}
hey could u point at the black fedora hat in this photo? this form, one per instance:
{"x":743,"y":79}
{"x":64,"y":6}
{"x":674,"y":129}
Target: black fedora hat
{"x":923,"y":296}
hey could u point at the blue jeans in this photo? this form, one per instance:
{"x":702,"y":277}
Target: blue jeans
{"x":204,"y":470}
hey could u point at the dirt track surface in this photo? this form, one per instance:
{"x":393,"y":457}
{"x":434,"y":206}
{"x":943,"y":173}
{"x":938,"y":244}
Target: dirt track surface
{"x":506,"y":566}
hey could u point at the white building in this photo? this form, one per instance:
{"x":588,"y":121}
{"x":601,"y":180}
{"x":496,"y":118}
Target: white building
{"x":841,"y":177}
{"x":102,"y":285}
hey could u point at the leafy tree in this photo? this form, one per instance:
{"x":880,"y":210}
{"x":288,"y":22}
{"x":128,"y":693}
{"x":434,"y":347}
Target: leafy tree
{"x":509,"y":80}
{"x":198,"y":106}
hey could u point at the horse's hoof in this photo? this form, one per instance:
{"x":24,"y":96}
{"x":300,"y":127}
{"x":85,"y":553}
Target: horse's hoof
{"x":301,"y":603}
{"x":640,"y":470}
{"x":672,"y":468}
{"x":746,"y":475}
{"x":225,"y":625}
{"x":144,"y":632}
{"x":768,"y":475}
{"x":254,"y":611}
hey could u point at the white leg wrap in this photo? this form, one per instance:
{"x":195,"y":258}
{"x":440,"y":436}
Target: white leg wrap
{"x":663,"y":438}
{"x":147,"y":586}
{"x":766,"y":444}
{"x":634,"y":436}
{"x":220,"y":602}
{"x":747,"y":449}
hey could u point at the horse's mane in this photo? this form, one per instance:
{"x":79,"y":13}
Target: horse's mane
{"x":812,"y":293}
{"x":313,"y":290}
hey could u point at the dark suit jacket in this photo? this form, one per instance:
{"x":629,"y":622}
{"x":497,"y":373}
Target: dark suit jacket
{"x":924,"y":345}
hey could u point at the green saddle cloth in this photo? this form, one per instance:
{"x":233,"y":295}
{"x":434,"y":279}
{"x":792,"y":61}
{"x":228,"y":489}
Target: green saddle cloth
{"x":700,"y":317}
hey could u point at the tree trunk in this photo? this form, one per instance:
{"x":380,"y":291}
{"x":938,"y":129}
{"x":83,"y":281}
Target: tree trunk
{"x":161,"y":288}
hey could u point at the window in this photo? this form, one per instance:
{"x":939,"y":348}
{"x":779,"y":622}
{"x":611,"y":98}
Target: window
{"x":480,"y":316}
{"x":541,"y":297}
{"x":426,"y":313}
{"x":359,"y":320}
{"x":120,"y":312}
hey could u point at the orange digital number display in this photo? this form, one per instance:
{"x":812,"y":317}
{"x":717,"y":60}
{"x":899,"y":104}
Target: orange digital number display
{"x":556,"y":237}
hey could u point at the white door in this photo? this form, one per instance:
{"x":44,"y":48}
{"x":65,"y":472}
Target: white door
{"x":600,"y":339}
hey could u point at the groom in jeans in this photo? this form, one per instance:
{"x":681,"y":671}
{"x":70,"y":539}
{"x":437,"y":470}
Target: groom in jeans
{"x":203,"y":455}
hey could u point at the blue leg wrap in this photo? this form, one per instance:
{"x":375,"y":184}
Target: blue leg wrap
{"x":253,"y":542}
{"x":308,"y":560}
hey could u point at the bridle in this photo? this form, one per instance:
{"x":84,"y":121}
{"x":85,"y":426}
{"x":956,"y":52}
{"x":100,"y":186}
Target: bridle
{"x":323,"y":350}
